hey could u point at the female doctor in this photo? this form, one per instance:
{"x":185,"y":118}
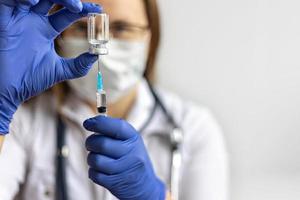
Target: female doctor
{"x":44,"y":155}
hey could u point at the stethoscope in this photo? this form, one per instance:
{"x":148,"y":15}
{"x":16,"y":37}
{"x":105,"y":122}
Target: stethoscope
{"x":176,"y":139}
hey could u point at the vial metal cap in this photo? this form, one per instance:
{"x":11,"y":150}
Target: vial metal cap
{"x":98,"y":50}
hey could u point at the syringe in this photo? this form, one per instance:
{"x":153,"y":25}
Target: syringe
{"x":101,"y":94}
{"x":98,"y":37}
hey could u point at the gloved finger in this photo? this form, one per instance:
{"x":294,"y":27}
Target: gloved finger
{"x":74,"y":6}
{"x":102,"y":179}
{"x":115,"y":128}
{"x":63,"y":18}
{"x":76,"y":67}
{"x":43,"y":7}
{"x":10,"y":3}
{"x":25,"y":5}
{"x":6,"y":13}
{"x":106,"y":164}
{"x":107,"y":146}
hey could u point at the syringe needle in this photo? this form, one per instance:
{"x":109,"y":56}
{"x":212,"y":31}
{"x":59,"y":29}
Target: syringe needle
{"x":98,"y":63}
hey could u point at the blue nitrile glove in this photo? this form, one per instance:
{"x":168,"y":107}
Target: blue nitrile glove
{"x":28,"y":62}
{"x":119,"y":161}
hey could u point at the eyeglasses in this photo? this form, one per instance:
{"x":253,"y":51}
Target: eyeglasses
{"x":118,"y":30}
{"x":127,"y":31}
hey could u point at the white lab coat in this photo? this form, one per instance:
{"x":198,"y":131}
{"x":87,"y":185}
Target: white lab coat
{"x":28,"y":156}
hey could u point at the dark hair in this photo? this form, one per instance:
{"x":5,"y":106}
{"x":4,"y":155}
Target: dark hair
{"x":154,"y":24}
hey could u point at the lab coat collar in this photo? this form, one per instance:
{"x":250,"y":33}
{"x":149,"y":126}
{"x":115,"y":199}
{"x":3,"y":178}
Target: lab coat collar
{"x":77,"y":112}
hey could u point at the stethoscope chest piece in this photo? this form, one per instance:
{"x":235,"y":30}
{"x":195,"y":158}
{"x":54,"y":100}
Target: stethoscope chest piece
{"x":176,"y":137}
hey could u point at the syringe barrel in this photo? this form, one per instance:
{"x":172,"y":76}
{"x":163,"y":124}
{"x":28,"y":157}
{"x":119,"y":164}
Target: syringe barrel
{"x":101,"y":102}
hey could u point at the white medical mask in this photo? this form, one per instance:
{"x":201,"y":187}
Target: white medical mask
{"x":122,"y":68}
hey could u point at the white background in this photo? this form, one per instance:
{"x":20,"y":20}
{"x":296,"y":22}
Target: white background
{"x":242,"y":59}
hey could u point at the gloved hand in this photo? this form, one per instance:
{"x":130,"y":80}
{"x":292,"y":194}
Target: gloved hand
{"x":28,"y":62}
{"x":119,"y":161}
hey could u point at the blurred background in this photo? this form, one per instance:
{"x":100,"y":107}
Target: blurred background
{"x":242,"y":59}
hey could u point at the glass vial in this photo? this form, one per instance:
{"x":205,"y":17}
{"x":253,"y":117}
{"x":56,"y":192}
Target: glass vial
{"x":98,"y":33}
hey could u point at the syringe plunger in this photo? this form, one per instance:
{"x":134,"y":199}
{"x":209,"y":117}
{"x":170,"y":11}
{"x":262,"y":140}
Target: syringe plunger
{"x":101,"y":102}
